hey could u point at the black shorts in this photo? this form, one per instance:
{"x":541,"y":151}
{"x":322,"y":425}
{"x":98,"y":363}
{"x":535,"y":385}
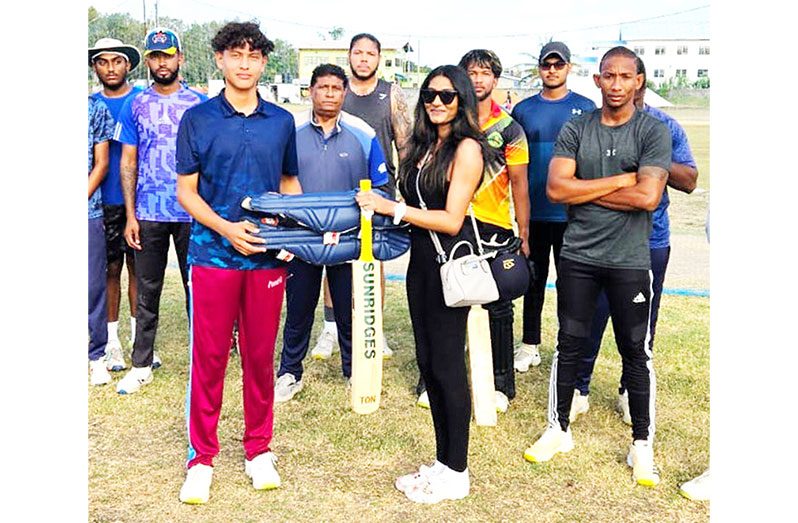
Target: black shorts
{"x":115,"y":245}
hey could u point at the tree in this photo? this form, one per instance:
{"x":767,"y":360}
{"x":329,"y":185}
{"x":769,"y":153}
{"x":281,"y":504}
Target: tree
{"x":120,"y":26}
{"x":336,"y":33}
{"x":284,"y":60}
{"x":200,"y":65}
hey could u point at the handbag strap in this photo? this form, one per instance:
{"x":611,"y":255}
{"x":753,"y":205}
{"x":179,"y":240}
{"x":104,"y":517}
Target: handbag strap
{"x":441,"y":258}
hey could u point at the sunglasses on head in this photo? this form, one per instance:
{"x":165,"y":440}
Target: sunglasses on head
{"x":447,"y":95}
{"x":557,"y":65}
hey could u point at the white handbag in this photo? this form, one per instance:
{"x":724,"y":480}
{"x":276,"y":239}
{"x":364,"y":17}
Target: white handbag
{"x":467,"y":280}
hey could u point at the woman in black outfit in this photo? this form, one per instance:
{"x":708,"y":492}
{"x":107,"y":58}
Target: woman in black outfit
{"x":444,"y":164}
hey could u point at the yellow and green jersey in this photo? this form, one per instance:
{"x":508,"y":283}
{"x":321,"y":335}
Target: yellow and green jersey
{"x":491,"y":202}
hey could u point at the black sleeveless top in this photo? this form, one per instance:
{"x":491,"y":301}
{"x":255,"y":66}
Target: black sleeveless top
{"x":435,"y":200}
{"x":375,"y":109}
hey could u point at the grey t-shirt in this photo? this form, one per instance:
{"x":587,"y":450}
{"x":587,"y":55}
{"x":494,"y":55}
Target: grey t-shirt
{"x":596,"y":235}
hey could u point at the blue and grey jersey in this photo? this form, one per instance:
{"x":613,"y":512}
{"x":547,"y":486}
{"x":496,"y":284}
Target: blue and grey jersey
{"x":337,"y":162}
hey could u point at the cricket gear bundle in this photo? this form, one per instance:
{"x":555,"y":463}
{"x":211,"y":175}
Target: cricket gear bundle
{"x":323,"y":228}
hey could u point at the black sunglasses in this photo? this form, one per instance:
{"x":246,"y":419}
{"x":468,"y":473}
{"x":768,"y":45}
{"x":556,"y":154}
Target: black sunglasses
{"x":447,"y":95}
{"x":557,"y":65}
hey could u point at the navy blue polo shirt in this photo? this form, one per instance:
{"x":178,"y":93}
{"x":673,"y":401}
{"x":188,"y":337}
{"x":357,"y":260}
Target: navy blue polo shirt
{"x":235,"y":156}
{"x":337,"y":162}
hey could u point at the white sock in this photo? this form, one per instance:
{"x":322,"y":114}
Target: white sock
{"x":113,"y":330}
{"x":132,"y":329}
{"x":331,"y":327}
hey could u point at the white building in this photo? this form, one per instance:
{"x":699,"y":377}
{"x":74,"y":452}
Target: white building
{"x":667,"y":58}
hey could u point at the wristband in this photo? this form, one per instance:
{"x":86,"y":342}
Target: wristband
{"x":399,"y":212}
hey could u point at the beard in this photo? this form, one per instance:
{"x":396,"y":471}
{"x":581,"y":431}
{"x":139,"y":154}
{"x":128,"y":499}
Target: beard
{"x":167,"y":80}
{"x":363,"y":77}
{"x":552,"y":85}
{"x":484,"y":96}
{"x":118,"y":84}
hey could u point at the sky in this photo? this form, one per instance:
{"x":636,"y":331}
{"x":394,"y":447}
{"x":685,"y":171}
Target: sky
{"x":442,"y":31}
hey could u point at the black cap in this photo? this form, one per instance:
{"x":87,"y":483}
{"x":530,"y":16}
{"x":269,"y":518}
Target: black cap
{"x":511,"y":273}
{"x":558,"y":48}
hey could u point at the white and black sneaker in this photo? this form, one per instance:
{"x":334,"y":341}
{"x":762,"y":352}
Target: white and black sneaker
{"x":286,"y":388}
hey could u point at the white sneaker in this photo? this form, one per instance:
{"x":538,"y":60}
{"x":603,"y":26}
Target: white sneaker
{"x":387,"y":353}
{"x":696,"y":489}
{"x":623,"y":407}
{"x":502,"y":402}
{"x":262,"y":471}
{"x":641,"y":459}
{"x":197,"y":486}
{"x":286,"y":388}
{"x":553,"y":441}
{"x":114,"y":360}
{"x":134,"y":379}
{"x":156,"y":361}
{"x":98,"y":372}
{"x":525,"y":355}
{"x":447,"y":484}
{"x":423,"y":400}
{"x":325,"y":346}
{"x":418,"y":478}
{"x":579,"y":405}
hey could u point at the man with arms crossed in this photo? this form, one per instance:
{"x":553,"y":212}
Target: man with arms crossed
{"x":335,"y":150}
{"x":542,"y":116}
{"x":683,"y":175}
{"x":610,"y":166}
{"x":383,"y":106}
{"x":112,"y":61}
{"x":234,"y":145}
{"x":147,"y":128}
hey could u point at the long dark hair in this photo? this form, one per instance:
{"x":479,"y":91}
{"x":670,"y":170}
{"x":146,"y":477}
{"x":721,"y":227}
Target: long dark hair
{"x":425,"y":133}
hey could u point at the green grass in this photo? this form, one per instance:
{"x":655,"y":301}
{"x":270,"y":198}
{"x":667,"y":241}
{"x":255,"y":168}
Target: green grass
{"x":688,"y":212}
{"x":338,"y":466}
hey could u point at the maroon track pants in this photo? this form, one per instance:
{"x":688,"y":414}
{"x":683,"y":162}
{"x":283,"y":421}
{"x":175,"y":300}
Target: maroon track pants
{"x":218,"y":298}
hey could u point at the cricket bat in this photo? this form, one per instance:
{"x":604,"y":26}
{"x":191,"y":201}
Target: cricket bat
{"x":366,"y":321}
{"x":480,"y":363}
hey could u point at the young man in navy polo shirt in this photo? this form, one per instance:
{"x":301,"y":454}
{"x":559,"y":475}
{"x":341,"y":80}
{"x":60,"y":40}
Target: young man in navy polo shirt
{"x":233,"y":145}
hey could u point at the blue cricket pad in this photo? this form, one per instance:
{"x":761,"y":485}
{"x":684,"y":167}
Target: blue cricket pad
{"x":302,"y":221}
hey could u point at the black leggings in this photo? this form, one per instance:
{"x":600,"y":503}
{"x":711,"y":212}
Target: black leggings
{"x":629,"y":296}
{"x":440,"y":335}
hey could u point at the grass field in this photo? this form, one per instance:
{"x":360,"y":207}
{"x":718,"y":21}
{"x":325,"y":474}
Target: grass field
{"x":338,"y":466}
{"x":688,"y":212}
